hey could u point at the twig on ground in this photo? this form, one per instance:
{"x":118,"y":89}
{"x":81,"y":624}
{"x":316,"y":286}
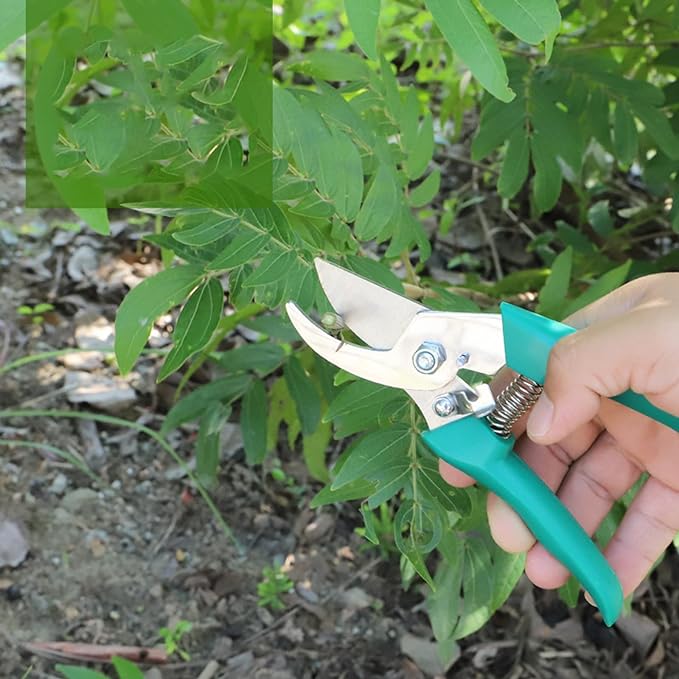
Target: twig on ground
{"x":166,"y":535}
{"x":4,"y":344}
{"x":66,"y":650}
{"x":481,"y":215}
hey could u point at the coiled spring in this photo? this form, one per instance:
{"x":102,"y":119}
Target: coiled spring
{"x":514,"y":400}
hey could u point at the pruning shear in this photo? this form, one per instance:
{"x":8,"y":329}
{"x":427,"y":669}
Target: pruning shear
{"x":420,"y":350}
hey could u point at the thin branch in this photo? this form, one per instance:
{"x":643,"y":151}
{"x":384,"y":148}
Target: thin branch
{"x":473,"y":163}
{"x":481,"y":215}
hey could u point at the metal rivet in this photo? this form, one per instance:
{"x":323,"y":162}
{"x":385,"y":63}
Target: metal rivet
{"x":462,"y":359}
{"x":445,"y":406}
{"x":429,"y":357}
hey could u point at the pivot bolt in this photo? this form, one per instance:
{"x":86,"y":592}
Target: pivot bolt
{"x":429,"y":357}
{"x":445,"y":406}
{"x":462,"y":359}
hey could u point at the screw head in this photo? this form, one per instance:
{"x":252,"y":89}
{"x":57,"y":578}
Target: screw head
{"x":445,"y":406}
{"x":462,"y":359}
{"x":429,"y":357}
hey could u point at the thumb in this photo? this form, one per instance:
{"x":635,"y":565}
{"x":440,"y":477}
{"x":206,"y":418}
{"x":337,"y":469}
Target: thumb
{"x":631,"y":351}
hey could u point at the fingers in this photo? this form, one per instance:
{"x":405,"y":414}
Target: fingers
{"x":648,"y":527}
{"x":589,"y":490}
{"x":634,"y":351}
{"x":551,"y":464}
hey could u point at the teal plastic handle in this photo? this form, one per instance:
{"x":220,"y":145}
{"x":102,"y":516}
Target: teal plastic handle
{"x":471,"y":446}
{"x":530,"y":337}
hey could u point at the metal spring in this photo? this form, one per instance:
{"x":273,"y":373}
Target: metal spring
{"x":514,"y":400}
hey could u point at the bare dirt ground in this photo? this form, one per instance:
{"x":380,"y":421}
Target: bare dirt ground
{"x":115,"y":560}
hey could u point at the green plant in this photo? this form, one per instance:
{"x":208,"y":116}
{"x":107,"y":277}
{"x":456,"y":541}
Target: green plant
{"x":125,"y":669}
{"x":274,"y":582}
{"x":172,"y":638}
{"x":35,"y":313}
{"x":575,"y":149}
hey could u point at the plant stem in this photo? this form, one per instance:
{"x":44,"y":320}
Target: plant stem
{"x":81,"y":78}
{"x":623,"y":43}
{"x":118,"y":421}
{"x":225,"y":326}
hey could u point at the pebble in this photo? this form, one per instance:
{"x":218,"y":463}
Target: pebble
{"x":58,"y":486}
{"x":13,"y":543}
{"x":319,"y":528}
{"x":116,"y":485}
{"x":78,"y":499}
{"x":111,"y":394}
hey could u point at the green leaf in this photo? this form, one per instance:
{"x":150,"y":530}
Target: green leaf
{"x":305,"y":395}
{"x":598,"y":117}
{"x":314,"y":449}
{"x":75,"y":672}
{"x":213,"y":228}
{"x":101,"y":134}
{"x":375,"y":452}
{"x":625,"y":136}
{"x":350,"y":491}
{"x":529,"y":20}
{"x":363,"y":17}
{"x":425,"y":192}
{"x":497,"y":123}
{"x":375,"y":271}
{"x":554,"y":291}
{"x":225,"y":95}
{"x":96,"y":218}
{"x":658,"y":126}
{"x":253,"y":422}
{"x":465,"y":30}
{"x":262,"y":358}
{"x":13,"y":22}
{"x":379,"y":205}
{"x":143,"y":304}
{"x":422,"y":150}
{"x":241,"y":249}
{"x":432,"y":484}
{"x":164,"y":21}
{"x":547,"y":180}
{"x":444,"y":602}
{"x":570,"y":592}
{"x":334,"y":65}
{"x":599,"y":217}
{"x":610,"y":281}
{"x":195,"y":325}
{"x":191,"y":406}
{"x":126,"y":669}
{"x":272,"y":268}
{"x":208,"y":445}
{"x":515,"y":165}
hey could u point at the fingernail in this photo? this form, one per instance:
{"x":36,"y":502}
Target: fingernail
{"x":540,"y":418}
{"x":589,"y":600}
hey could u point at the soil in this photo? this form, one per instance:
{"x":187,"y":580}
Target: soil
{"x":113,"y":561}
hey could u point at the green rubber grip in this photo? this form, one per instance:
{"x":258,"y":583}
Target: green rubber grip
{"x":471,"y":446}
{"x":530,"y":337}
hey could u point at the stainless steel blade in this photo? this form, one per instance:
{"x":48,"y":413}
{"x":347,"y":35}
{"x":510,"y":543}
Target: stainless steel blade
{"x":377,"y":315}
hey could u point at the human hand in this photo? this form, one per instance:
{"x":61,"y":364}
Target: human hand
{"x":591,"y":450}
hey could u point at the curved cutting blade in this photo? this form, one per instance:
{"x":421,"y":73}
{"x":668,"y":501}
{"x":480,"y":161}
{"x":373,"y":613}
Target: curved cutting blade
{"x":377,"y":315}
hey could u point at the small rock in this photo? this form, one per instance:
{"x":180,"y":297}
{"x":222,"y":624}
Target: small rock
{"x":156,"y":591}
{"x":78,"y":499}
{"x":83,"y":263}
{"x":265,"y":616}
{"x":106,"y":393}
{"x":58,"y":486}
{"x":306,"y":592}
{"x":8,"y":77}
{"x":222,"y":648}
{"x":355,"y":598}
{"x":82,"y":360}
{"x":94,"y":334}
{"x":639,"y":630}
{"x":153,"y":673}
{"x":320,"y":527}
{"x":13,"y":543}
{"x":241,"y":663}
{"x":292,"y":632}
